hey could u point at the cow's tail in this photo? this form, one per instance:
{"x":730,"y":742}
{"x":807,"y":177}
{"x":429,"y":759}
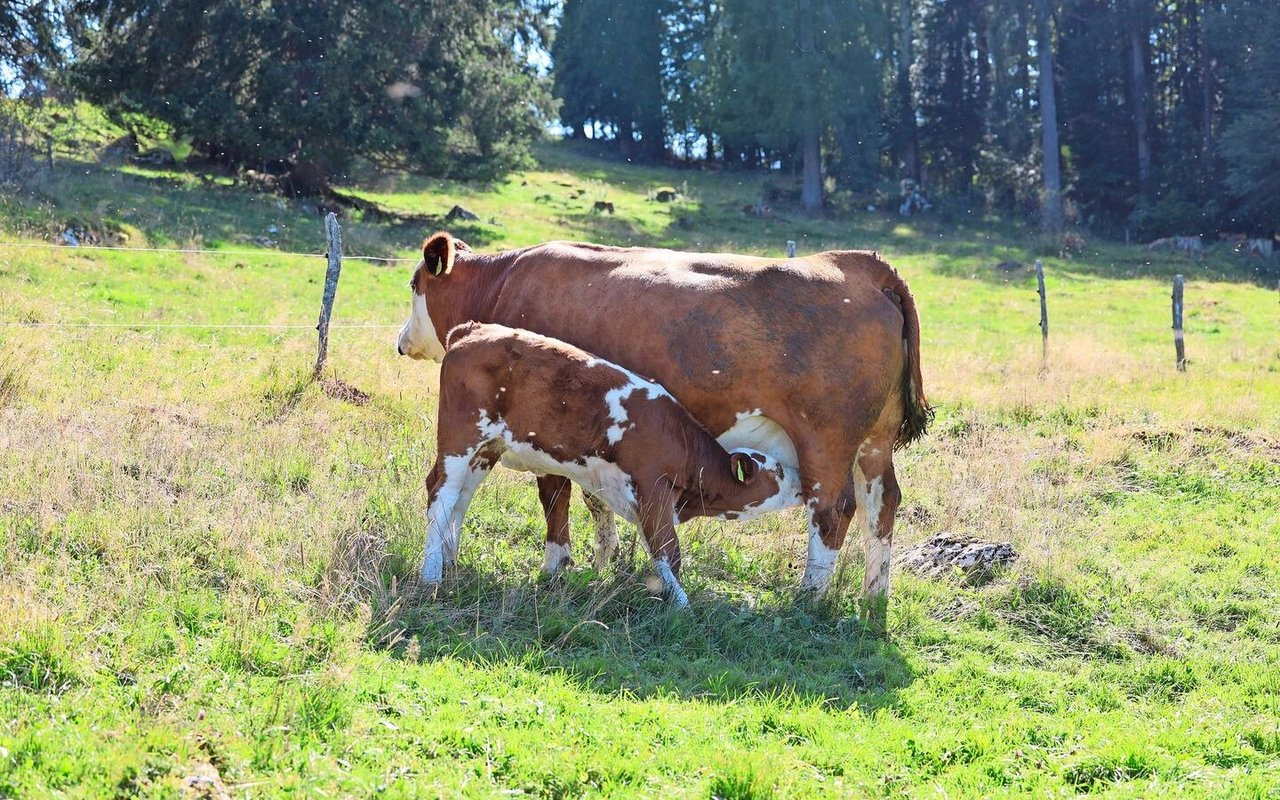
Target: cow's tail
{"x":916,"y":412}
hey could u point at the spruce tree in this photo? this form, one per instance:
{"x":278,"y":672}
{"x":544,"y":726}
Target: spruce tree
{"x":438,"y":87}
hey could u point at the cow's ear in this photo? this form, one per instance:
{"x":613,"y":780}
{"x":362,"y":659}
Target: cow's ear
{"x":743,"y":467}
{"x":437,"y":253}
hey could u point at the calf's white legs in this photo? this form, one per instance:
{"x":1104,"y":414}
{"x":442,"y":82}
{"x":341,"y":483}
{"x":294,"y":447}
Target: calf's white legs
{"x":671,"y":584}
{"x":445,"y":512}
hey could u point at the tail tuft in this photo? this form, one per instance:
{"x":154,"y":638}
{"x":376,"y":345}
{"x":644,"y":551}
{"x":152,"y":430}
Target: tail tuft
{"x":917,"y":413}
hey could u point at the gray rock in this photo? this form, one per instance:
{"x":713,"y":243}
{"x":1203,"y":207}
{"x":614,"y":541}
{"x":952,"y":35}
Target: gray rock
{"x":973,"y":560}
{"x":460,"y":213}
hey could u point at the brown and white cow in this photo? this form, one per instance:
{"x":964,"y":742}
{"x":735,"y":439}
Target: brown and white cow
{"x":814,"y":360}
{"x":540,"y":405}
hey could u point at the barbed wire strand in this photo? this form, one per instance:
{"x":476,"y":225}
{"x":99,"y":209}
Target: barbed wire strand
{"x":189,"y":251}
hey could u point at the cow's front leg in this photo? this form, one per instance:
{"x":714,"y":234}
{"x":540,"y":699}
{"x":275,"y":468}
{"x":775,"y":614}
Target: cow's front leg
{"x":606,"y":532}
{"x":825,"y":467}
{"x":553,"y":493}
{"x":829,"y":519}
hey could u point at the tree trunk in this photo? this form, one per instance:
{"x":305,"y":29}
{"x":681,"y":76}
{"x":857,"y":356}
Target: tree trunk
{"x":1206,"y":78}
{"x":627,"y":139}
{"x":810,"y":136}
{"x":906,"y":101}
{"x":1051,"y":200}
{"x":811,"y":183}
{"x":1138,"y":92}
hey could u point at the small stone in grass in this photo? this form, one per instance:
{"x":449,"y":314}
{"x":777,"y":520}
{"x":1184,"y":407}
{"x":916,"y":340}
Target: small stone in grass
{"x":947,"y":553}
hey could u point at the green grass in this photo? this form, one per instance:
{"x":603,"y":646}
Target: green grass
{"x":206,"y":562}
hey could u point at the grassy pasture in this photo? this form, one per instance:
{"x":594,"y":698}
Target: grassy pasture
{"x":206,"y":560}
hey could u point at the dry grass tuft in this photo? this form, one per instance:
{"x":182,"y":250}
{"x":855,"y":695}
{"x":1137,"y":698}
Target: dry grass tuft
{"x":13,"y":375}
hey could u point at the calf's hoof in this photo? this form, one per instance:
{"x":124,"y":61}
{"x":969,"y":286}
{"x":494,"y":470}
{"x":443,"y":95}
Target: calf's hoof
{"x":678,"y":598}
{"x":432,"y":571}
{"x":671,"y":587}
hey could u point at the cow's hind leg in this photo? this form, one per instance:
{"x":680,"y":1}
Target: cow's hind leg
{"x":876,"y":489}
{"x":606,"y":532}
{"x":553,"y":493}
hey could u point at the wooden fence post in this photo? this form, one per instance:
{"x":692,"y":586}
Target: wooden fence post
{"x":330,"y":288}
{"x":1044,"y":317}
{"x":1178,"y":345}
{"x":791,"y":248}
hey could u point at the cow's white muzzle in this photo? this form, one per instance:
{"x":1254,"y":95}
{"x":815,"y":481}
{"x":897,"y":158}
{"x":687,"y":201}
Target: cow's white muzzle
{"x":418,"y":336}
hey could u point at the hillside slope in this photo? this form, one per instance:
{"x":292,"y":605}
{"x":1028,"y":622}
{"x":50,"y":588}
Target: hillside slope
{"x":206,"y":560}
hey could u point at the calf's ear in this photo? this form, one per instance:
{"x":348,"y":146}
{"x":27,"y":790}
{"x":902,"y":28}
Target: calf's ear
{"x":437,"y":253}
{"x":743,"y":467}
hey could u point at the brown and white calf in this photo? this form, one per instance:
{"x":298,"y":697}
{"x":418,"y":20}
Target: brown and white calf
{"x":814,"y":360}
{"x":540,"y":405}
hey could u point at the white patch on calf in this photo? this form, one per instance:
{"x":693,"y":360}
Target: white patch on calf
{"x":445,"y":514}
{"x":603,"y":479}
{"x":418,"y":336}
{"x":614,"y":397}
{"x":788,"y":494}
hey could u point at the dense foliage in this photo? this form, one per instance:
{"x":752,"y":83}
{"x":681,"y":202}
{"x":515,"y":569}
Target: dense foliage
{"x":438,"y":87}
{"x":1161,"y":122}
{"x":1162,"y":107}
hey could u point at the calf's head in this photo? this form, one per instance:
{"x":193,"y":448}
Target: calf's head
{"x":418,"y":338}
{"x":756,"y":478}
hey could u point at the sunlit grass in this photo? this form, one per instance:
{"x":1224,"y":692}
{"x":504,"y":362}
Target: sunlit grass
{"x":206,"y":563}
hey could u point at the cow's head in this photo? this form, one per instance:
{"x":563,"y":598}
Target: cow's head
{"x":418,"y":338}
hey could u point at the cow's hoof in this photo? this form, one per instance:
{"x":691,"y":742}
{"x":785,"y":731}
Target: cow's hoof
{"x":556,"y":561}
{"x":548,"y":575}
{"x":813,"y":588}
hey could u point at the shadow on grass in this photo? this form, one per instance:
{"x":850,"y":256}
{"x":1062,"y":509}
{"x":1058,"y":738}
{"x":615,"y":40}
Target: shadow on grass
{"x":597,"y":226}
{"x":612,"y":633}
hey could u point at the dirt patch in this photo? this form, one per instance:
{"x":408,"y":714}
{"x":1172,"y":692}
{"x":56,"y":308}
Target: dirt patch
{"x":339,"y":389}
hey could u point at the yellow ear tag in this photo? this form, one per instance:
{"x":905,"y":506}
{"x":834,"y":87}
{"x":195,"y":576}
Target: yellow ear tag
{"x":742,"y":478}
